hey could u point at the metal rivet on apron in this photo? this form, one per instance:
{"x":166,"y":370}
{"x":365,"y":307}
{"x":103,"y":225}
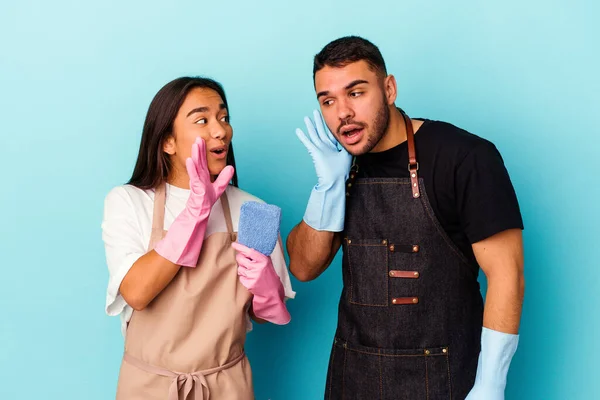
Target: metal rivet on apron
{"x":349,"y":241}
{"x":415,"y":248}
{"x":415,"y":300}
{"x":416,"y":195}
{"x":427,"y":352}
{"x":349,"y":185}
{"x":384,"y":241}
{"x":416,"y":274}
{"x":393,"y":301}
{"x":444,"y":351}
{"x":392,"y":247}
{"x":412,"y":175}
{"x":347,"y":194}
{"x":392,"y":274}
{"x":345,"y":345}
{"x":414,"y":184}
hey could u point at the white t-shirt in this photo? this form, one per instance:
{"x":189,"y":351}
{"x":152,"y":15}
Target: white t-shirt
{"x":127,"y":225}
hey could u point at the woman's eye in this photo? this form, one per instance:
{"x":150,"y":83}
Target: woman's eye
{"x":225,"y":119}
{"x":201,"y":121}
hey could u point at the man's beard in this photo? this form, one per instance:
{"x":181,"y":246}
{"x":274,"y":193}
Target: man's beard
{"x":380,"y":125}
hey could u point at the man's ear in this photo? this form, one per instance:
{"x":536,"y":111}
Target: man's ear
{"x":391,"y":89}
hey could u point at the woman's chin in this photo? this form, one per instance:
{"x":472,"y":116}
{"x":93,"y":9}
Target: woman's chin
{"x":215,"y":168}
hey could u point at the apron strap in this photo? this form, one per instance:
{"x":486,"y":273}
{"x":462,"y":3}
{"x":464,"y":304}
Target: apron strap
{"x":413,"y":165}
{"x":227,"y":212}
{"x":183,"y":383}
{"x":158,"y":216}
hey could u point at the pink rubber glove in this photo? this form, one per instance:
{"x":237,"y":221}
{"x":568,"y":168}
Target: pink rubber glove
{"x":257,"y":274}
{"x":183,"y":241}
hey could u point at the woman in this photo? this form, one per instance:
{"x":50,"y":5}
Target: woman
{"x":169,"y":237}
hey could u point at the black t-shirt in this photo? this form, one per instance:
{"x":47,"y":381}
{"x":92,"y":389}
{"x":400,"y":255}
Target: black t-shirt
{"x":465,"y":179}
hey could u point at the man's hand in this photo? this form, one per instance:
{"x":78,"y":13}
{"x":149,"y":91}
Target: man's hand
{"x":327,"y":204}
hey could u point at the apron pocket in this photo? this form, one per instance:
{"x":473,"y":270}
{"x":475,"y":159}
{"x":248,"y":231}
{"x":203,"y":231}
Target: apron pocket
{"x":358,"y":372}
{"x":368,"y":272}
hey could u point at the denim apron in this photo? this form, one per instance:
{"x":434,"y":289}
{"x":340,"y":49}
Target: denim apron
{"x":411,"y":311}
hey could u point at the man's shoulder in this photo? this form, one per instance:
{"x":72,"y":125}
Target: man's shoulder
{"x":447,"y":139}
{"x":448,"y":133}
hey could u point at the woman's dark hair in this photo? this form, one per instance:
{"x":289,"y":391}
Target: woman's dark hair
{"x":153,"y":165}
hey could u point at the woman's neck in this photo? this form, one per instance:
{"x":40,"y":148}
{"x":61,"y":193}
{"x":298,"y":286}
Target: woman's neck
{"x":181,"y":179}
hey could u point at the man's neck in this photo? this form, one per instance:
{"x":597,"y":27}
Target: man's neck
{"x":394,"y":134}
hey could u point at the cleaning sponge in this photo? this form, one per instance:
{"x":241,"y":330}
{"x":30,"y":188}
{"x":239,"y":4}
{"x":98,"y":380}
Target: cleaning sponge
{"x":258,"y":227}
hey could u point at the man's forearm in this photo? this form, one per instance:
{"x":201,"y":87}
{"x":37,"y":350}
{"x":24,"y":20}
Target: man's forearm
{"x":504,"y":300}
{"x":311,"y":251}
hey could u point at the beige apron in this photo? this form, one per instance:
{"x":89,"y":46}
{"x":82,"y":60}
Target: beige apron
{"x":189,"y":342}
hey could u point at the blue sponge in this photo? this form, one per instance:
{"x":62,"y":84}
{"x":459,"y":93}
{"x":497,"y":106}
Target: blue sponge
{"x":259,"y":226}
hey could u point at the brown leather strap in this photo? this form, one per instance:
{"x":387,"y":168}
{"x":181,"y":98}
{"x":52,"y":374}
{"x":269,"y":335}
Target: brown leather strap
{"x":158,"y":216}
{"x":404,"y":274}
{"x":404,"y":248}
{"x":405,"y":300}
{"x":227,"y":212}
{"x":413,"y":165}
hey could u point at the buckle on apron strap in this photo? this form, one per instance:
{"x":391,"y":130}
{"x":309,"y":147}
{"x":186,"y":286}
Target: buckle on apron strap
{"x":414,"y":179}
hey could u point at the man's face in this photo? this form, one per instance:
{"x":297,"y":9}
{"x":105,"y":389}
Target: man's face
{"x":354,"y":105}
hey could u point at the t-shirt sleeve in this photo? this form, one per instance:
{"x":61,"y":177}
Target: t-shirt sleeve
{"x":123,"y":244}
{"x":486,"y":199}
{"x":282,"y":270}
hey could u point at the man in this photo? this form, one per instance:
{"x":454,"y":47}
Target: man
{"x":425,"y":205}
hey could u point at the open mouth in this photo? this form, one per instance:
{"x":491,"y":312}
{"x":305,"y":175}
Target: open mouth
{"x":352,"y":132}
{"x":219,"y":152}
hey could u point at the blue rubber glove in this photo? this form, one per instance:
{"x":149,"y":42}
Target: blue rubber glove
{"x":327,"y":203}
{"x":497,"y":350}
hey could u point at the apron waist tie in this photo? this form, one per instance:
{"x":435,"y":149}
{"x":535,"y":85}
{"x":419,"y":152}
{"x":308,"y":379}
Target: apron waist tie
{"x":184,"y":380}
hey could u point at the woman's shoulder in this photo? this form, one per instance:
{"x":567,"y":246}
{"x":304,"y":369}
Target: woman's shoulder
{"x":127,"y":196}
{"x":127,"y":191}
{"x":238,"y":196}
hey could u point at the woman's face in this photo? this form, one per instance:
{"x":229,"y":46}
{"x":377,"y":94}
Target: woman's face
{"x":202,"y":114}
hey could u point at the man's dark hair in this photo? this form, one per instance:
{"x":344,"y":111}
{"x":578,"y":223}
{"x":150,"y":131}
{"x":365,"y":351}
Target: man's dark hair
{"x":349,"y":49}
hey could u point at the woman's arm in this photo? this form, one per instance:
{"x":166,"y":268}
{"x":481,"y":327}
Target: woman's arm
{"x":148,"y":276}
{"x":136,"y":276}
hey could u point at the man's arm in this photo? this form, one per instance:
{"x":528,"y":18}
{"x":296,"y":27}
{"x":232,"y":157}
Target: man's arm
{"x":313,"y":243}
{"x":311,"y":251}
{"x":501,"y":259}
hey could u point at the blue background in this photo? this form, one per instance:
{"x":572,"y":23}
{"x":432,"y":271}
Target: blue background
{"x":76,"y":79}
